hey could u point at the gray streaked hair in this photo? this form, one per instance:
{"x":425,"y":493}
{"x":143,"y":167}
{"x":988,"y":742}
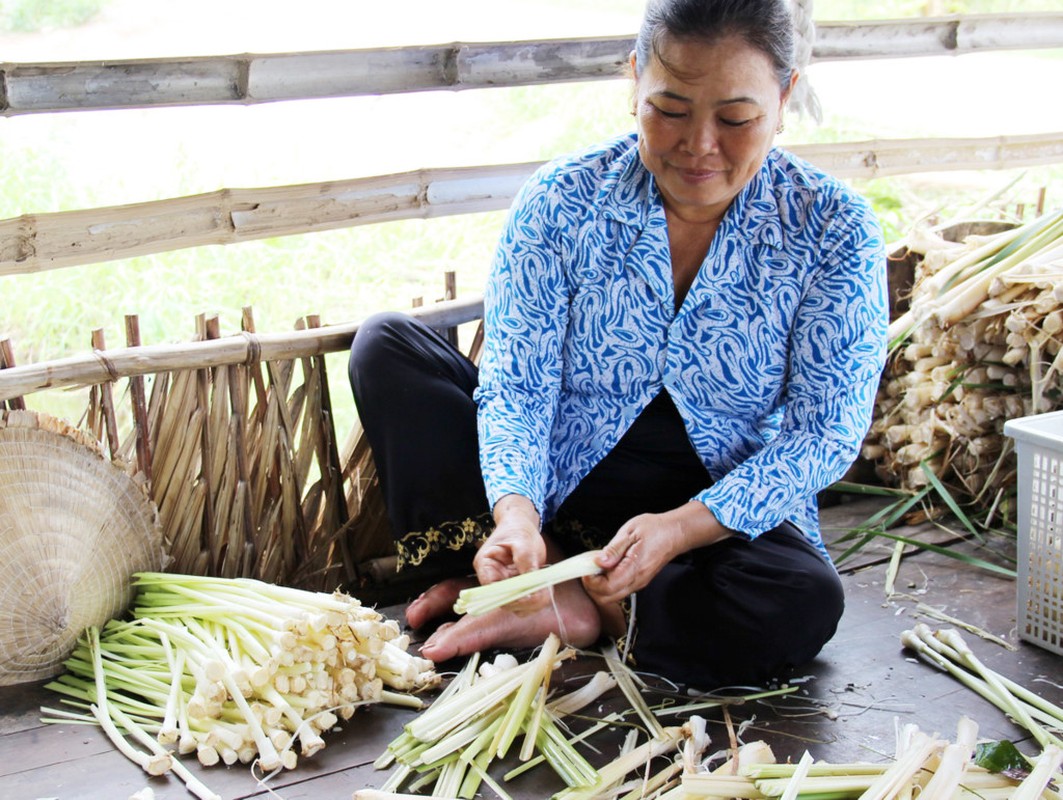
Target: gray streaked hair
{"x":765,"y":25}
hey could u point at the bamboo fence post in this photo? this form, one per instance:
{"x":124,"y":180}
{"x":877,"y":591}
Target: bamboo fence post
{"x":140,"y":409}
{"x":7,"y":360}
{"x":206,"y":447}
{"x":157,"y":403}
{"x":336,"y":498}
{"x":223,"y":468}
{"x":450,"y":292}
{"x":261,"y":447}
{"x":315,"y":498}
{"x":238,"y":399}
{"x":477,"y":345}
{"x":289,"y":489}
{"x":106,"y":398}
{"x":247,"y":325}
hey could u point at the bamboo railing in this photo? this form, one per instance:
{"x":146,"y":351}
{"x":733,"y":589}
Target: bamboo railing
{"x":39,"y":242}
{"x":100,"y":367}
{"x":263,"y":78}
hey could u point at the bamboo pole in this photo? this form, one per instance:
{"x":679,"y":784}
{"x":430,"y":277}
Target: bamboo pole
{"x":39,"y":242}
{"x":87,"y":369}
{"x":248,"y":79}
{"x":290,"y":518}
{"x":328,"y":453}
{"x":247,"y":324}
{"x":239,"y":384}
{"x":269,"y":77}
{"x":937,"y":36}
{"x":883,"y":157}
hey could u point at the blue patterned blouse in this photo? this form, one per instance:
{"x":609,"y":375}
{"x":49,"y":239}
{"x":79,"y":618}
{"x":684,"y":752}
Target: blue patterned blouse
{"x":772,"y":361}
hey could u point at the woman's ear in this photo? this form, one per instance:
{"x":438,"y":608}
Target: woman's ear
{"x":794,"y":77}
{"x":632,"y":62}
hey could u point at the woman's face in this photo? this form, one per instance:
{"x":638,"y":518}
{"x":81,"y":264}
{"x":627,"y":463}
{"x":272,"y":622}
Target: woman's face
{"x":706,"y":126}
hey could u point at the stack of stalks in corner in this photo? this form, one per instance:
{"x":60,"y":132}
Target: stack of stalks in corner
{"x":980,"y":344}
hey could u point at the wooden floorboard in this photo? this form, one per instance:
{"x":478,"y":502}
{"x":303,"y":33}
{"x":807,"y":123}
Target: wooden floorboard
{"x":846,"y":708}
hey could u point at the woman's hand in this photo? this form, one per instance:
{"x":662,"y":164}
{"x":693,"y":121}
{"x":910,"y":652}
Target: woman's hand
{"x":514,"y":547}
{"x":644,"y":544}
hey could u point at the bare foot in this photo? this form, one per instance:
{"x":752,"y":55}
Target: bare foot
{"x":436,"y":601}
{"x":573,"y":616}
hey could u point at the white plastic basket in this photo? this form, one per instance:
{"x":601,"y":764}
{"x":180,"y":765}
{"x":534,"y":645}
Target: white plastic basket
{"x":1039,"y":446}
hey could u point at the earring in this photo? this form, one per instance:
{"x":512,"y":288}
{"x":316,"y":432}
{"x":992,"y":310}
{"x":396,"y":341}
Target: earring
{"x":781,"y":127}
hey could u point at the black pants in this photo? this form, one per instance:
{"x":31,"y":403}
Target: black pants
{"x":737,"y":612}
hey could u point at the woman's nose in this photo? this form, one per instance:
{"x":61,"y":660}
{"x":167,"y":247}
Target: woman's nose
{"x":700,"y":138}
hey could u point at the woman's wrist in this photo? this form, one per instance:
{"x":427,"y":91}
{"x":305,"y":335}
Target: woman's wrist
{"x":696,"y":526}
{"x":514,"y":509}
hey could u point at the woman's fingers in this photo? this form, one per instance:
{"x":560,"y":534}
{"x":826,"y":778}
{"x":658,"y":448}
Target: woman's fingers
{"x":512,"y":549}
{"x":602,"y":592}
{"x":620,"y":576}
{"x":494,"y":566}
{"x":613,"y":553}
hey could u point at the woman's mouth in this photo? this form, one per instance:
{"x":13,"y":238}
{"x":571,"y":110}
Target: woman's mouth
{"x":697,"y":175}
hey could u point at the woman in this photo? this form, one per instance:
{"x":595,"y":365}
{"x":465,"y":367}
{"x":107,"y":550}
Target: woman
{"x":684,"y":332}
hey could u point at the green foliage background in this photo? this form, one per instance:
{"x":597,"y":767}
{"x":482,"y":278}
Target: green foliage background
{"x":35,"y":15}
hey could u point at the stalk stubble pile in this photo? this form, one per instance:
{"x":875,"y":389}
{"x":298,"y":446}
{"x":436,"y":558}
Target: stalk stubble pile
{"x":448,"y":749}
{"x":981,"y":343}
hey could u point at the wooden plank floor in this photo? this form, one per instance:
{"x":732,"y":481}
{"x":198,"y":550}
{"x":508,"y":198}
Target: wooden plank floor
{"x":849,"y":699}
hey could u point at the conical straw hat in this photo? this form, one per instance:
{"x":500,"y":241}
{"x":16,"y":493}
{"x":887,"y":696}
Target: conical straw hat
{"x":74,"y":527}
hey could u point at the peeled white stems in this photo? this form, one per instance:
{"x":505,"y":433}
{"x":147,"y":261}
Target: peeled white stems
{"x":236,"y":670}
{"x":481,"y":599}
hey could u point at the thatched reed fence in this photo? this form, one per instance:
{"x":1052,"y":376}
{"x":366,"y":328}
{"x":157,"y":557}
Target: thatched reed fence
{"x":235,"y":432}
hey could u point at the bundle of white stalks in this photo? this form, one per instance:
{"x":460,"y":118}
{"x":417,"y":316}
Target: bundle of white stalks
{"x":234,"y":670}
{"x":481,"y":599}
{"x":981,"y":343}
